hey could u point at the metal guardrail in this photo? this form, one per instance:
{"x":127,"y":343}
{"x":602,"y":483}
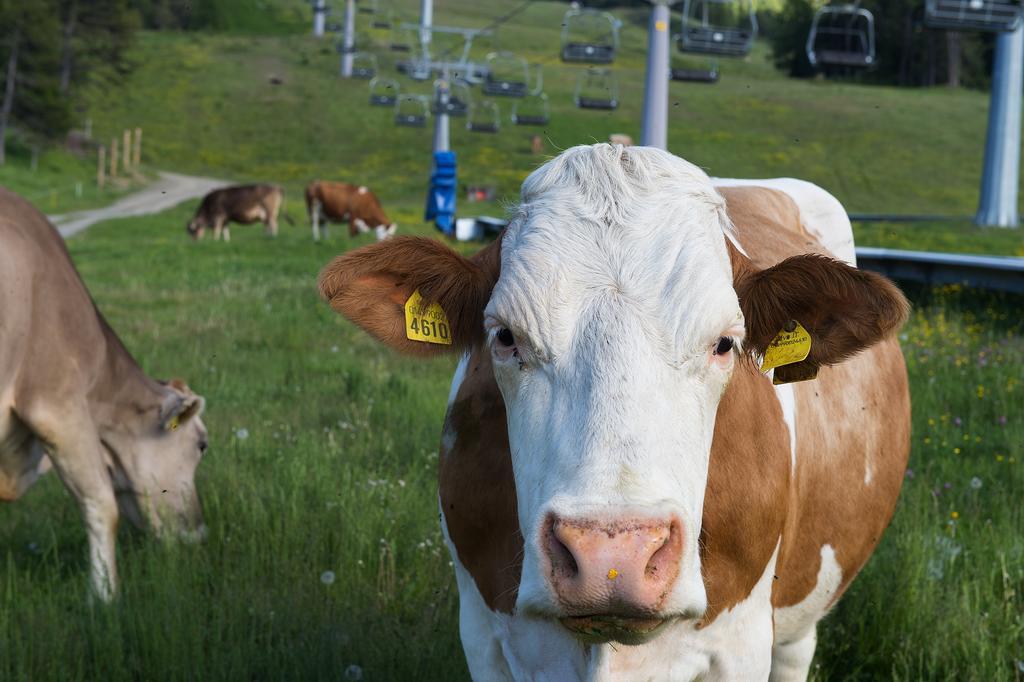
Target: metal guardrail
{"x":1000,"y":273}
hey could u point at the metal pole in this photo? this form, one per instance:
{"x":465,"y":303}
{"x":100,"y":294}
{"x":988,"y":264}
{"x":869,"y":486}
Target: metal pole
{"x":442,"y":94}
{"x":348,"y":45}
{"x":426,"y":21}
{"x":654,"y":127}
{"x":1001,"y":172}
{"x":319,"y":17}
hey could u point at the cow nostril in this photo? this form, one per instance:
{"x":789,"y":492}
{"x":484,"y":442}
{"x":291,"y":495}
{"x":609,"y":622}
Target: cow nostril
{"x":664,"y":559}
{"x":563,"y":562}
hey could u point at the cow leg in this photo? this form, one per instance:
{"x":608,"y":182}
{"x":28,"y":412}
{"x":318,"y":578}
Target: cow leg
{"x":792,"y":661}
{"x":227,"y":233}
{"x":315,"y":214}
{"x":218,"y":225}
{"x":271,"y":221}
{"x":78,"y":457}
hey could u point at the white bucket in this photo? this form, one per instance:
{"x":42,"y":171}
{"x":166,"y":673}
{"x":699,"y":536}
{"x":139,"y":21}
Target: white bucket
{"x":467,"y":229}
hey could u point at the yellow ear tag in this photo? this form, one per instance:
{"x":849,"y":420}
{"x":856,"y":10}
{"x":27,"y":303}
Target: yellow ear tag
{"x":787,"y":347}
{"x":426,"y":323}
{"x":173,"y":423}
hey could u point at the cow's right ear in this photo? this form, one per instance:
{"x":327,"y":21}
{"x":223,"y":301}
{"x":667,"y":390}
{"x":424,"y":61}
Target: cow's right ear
{"x":371,"y":285}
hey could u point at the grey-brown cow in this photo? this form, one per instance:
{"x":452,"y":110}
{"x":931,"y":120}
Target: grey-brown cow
{"x":69,"y":389}
{"x":243,"y":204}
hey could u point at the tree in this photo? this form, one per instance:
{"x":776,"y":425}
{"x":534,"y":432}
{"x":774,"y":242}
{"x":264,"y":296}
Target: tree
{"x":789,"y":37}
{"x":30,"y":54}
{"x":95,"y":37}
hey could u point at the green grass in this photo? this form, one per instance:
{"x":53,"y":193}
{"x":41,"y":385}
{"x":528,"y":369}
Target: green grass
{"x":337,"y":469}
{"x":60,"y":182}
{"x":338,"y":473}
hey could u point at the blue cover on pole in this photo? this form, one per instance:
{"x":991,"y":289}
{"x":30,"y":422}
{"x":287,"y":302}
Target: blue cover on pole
{"x":441,"y":195}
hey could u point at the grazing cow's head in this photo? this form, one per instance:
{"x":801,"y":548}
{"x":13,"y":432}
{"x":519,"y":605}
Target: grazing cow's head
{"x":152,"y":459}
{"x":615,"y":315}
{"x":195,"y":228}
{"x":385,"y":231}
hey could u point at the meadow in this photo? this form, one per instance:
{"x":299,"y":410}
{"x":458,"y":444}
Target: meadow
{"x":324,"y":559}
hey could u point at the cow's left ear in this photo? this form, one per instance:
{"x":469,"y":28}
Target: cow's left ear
{"x":844,"y":309}
{"x":179,"y":405}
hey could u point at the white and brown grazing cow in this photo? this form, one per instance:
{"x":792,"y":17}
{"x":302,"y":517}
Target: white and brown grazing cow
{"x":244,"y":204}
{"x":341,"y":202}
{"x":624,"y":494}
{"x":69,"y":389}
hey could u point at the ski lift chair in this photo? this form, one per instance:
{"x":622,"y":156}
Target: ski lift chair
{"x":531,"y":110}
{"x":381,"y":12}
{"x":364,"y":65}
{"x":973,"y":15}
{"x":597,"y":89}
{"x":589,"y":36}
{"x":402,"y":39}
{"x":459,"y":99}
{"x":384,"y":92}
{"x":507,"y":75}
{"x":417,"y":66}
{"x":484,"y":117}
{"x":690,"y":75}
{"x":411,"y":110}
{"x":718,"y":27}
{"x":843,"y":36}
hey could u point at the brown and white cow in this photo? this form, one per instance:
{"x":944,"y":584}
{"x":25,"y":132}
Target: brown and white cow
{"x":245,"y":204}
{"x":341,"y":202}
{"x":70,"y":390}
{"x":615,"y":470}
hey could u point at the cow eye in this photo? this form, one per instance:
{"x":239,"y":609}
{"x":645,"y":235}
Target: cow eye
{"x":506,"y":338}
{"x":723,"y":346}
{"x":203,"y":445}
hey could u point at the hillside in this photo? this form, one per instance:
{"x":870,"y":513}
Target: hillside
{"x":208,"y":106}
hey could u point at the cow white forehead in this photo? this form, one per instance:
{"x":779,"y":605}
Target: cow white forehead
{"x":634,"y":231}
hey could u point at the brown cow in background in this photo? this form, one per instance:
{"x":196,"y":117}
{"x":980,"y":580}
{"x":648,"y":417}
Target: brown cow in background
{"x":341,"y":202}
{"x":243,"y":204}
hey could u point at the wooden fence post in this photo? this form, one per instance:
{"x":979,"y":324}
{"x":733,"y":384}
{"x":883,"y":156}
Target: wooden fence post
{"x":126,"y":150}
{"x":101,"y":167}
{"x":113,"y":158}
{"x":137,"y":161}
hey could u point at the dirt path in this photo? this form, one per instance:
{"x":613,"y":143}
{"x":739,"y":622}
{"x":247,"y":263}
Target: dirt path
{"x":170,"y":190}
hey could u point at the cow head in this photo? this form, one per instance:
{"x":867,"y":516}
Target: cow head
{"x":385,"y":231}
{"x":152,"y":459}
{"x":615,"y":308}
{"x":195,"y":228}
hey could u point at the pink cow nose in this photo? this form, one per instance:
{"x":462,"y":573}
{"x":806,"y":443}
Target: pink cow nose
{"x":621,"y":567}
